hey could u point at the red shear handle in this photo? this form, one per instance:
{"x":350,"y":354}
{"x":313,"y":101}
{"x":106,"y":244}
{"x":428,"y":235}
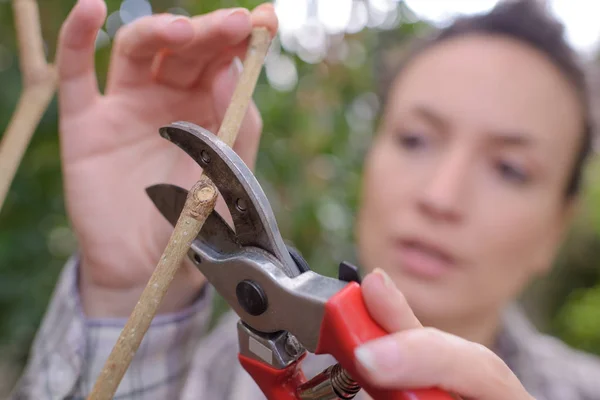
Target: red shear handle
{"x":276,"y":384}
{"x":346,"y":325}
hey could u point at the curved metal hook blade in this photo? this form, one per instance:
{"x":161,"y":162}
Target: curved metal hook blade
{"x":253,"y":218}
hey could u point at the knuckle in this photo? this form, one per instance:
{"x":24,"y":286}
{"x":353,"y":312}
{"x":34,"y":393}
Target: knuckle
{"x":440,"y":350}
{"x":142,"y":25}
{"x":417,"y":337}
{"x":67,"y":29}
{"x":458,"y":360}
{"x":427,"y":336}
{"x":499,"y":370}
{"x":126,"y":40}
{"x":492,"y":361}
{"x":122,"y":31}
{"x":492,"y":369}
{"x":431,"y":342}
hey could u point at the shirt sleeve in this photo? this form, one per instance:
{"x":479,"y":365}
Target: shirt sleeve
{"x":70,"y":350}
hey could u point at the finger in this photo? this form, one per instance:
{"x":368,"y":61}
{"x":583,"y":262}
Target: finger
{"x":426,"y":357}
{"x":228,"y":32}
{"x":264,"y":15}
{"x":386,"y":304}
{"x":214,"y":34}
{"x":137,"y":43}
{"x":78,"y":86}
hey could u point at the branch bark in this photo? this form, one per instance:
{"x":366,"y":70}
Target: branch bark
{"x":200,"y":203}
{"x":39,"y":84}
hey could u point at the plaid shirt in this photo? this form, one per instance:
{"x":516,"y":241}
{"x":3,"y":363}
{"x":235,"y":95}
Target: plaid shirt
{"x":179,"y":358}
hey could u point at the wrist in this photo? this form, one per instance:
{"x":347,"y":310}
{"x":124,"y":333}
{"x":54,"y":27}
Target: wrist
{"x":103,"y":301}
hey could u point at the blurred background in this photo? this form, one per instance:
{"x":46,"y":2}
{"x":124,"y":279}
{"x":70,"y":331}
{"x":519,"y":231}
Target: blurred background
{"x":319,"y":99}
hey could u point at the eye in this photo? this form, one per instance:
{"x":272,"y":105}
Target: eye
{"x":410,"y":140}
{"x":512,"y":172}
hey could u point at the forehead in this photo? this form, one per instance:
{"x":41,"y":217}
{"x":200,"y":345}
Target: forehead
{"x":487,"y":83}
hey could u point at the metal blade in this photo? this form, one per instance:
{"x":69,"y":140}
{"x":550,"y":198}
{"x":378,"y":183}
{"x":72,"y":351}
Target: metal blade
{"x":248,"y":205}
{"x":169,"y":199}
{"x":215,"y":233}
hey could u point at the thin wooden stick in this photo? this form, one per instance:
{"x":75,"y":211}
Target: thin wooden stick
{"x":257,"y":51}
{"x":39,"y":85}
{"x":31,"y":44}
{"x":200,"y":203}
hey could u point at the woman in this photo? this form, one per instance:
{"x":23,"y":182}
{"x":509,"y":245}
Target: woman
{"x":469,"y":188}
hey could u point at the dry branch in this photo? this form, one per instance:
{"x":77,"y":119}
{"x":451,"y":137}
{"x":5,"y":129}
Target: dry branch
{"x":39,"y":85}
{"x":200,"y":203}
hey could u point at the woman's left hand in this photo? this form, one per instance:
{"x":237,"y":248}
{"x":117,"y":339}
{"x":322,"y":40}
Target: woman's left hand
{"x":413,"y":356}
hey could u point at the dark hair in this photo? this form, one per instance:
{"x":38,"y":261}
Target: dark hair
{"x":528,"y":22}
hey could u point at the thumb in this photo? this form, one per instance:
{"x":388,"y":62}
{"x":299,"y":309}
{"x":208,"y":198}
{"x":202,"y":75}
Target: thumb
{"x":386,"y":304}
{"x":78,"y":86}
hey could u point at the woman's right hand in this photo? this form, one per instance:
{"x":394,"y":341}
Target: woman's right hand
{"x":110,"y":146}
{"x":414,"y":357}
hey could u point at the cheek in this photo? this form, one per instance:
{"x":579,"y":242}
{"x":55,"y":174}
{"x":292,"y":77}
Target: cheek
{"x":514,"y":244}
{"x":384,"y":195}
{"x":381,"y":182}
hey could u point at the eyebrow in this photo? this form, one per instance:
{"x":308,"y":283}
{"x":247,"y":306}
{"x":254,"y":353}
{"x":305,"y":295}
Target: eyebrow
{"x":506,"y":138}
{"x":512,"y":139}
{"x":432,"y":117}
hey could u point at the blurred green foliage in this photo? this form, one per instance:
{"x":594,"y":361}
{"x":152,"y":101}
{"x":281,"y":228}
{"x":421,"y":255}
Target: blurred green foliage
{"x":309,"y":164}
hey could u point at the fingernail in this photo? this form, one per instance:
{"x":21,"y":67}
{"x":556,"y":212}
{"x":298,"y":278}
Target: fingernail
{"x":180,"y":27}
{"x":236,"y":67}
{"x":238,"y":16}
{"x":379,"y":356}
{"x":264,"y":8}
{"x":180,"y":20}
{"x":387,"y":281}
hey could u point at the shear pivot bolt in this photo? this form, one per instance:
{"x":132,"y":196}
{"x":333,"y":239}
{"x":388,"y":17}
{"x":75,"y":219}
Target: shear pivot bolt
{"x":251,"y":297}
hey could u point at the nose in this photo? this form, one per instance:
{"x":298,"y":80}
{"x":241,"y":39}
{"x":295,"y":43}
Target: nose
{"x":444,"y":193}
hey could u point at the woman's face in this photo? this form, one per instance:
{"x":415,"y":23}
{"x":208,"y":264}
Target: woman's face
{"x":463,"y":197}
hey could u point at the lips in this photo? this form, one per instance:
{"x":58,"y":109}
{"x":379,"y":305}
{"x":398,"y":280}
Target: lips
{"x":424,"y":259}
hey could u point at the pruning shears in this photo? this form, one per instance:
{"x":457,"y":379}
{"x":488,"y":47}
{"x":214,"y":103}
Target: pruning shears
{"x":285,"y":308}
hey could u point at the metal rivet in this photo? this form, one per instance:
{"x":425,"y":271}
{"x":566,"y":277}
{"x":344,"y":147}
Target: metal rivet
{"x":205,"y":156}
{"x":292,"y":346}
{"x":240,"y":204}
